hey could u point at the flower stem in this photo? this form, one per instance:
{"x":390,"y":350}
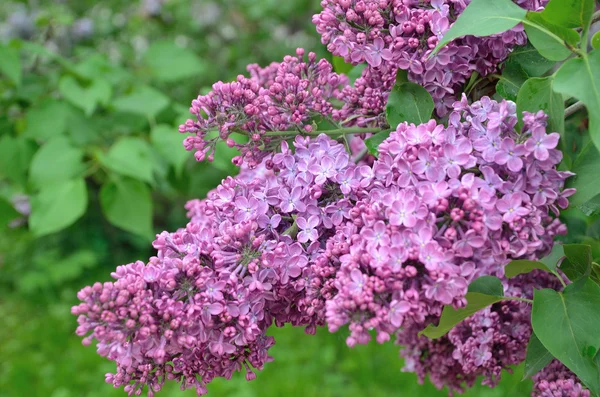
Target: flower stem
{"x":574,"y":108}
{"x":339,"y":131}
{"x":516,"y":298}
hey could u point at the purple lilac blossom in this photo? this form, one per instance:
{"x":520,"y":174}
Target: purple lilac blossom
{"x":399,"y":34}
{"x":420,"y":238}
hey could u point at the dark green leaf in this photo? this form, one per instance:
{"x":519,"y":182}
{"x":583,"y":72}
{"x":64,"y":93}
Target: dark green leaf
{"x":145,"y":101}
{"x":549,"y":39}
{"x":567,"y":325}
{"x":537,"y":357}
{"x":8,"y":213}
{"x":488,"y":285}
{"x":54,"y":163}
{"x":537,"y":94}
{"x":15,"y":156}
{"x":47,"y":120}
{"x":340,"y":66}
{"x":484,"y":18}
{"x":87,"y":98}
{"x":580,"y":78}
{"x":450,"y":317}
{"x":578,"y":261}
{"x":587,"y":177}
{"x":170,"y":63}
{"x":530,"y":59}
{"x":569,"y":13}
{"x":512,"y":78}
{"x":58,"y":206}
{"x":522,"y":266}
{"x":10,"y":64}
{"x":548,"y":263}
{"x":590,"y":207}
{"x":596,"y":40}
{"x":409,"y":102}
{"x":553,"y":258}
{"x":169,"y":143}
{"x":373,"y":142}
{"x":595,"y":275}
{"x":127,"y":204}
{"x":130,"y":156}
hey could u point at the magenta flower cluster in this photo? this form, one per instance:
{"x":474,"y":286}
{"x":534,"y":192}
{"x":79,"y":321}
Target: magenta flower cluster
{"x":556,"y":380}
{"x":283,"y":96}
{"x":308,"y":237}
{"x":397,"y":34}
{"x":445,"y":205}
{"x":250,"y":257}
{"x":491,"y":340}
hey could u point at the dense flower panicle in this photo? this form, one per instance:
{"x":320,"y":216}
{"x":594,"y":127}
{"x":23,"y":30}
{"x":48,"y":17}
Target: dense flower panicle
{"x":486,"y":343}
{"x":555,"y":380}
{"x":396,"y":34}
{"x":308,"y":237}
{"x":251,"y":256}
{"x":283,"y":96}
{"x":445,"y":205}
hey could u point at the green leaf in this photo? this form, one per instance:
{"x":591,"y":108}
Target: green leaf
{"x":549,"y":39}
{"x":522,"y":266}
{"x":578,"y":261}
{"x":530,"y":59}
{"x":169,"y":143}
{"x":450,"y":317}
{"x":169,"y":62}
{"x":8,"y":213}
{"x":548,"y":263}
{"x":484,"y":18}
{"x":569,"y":13}
{"x":537,"y":94}
{"x":373,"y":142}
{"x":55,"y":162}
{"x":87,"y":98}
{"x":10,"y":64}
{"x":145,"y":101}
{"x":340,"y":66}
{"x":587,"y":177}
{"x":567,"y":325}
{"x":47,"y":120}
{"x":127,"y":204}
{"x":488,"y":285}
{"x":537,"y":357}
{"x":595,"y":275}
{"x":15,"y":156}
{"x":512,"y":78}
{"x":130,"y":156}
{"x":57,"y":206}
{"x":596,"y":40}
{"x":408,"y":102}
{"x":580,"y":78}
{"x":356,"y":72}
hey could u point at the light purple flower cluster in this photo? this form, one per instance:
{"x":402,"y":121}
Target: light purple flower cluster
{"x":308,"y":237}
{"x":445,"y":205}
{"x":555,"y":380}
{"x":399,"y":34}
{"x":492,"y":340}
{"x":284,"y":96}
{"x":251,"y":256}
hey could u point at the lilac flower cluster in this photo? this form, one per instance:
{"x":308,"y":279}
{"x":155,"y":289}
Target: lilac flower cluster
{"x":283,"y":96}
{"x":308,"y":237}
{"x":486,"y":343}
{"x":251,"y":256}
{"x":445,"y":205}
{"x":397,"y":34}
{"x":555,"y":380}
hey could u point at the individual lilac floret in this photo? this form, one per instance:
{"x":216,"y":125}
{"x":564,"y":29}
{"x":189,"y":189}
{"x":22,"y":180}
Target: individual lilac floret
{"x":440,"y":209}
{"x":396,"y":34}
{"x":281,"y":97}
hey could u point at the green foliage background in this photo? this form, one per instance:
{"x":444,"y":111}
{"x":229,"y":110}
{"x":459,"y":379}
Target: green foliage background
{"x":88,"y":139}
